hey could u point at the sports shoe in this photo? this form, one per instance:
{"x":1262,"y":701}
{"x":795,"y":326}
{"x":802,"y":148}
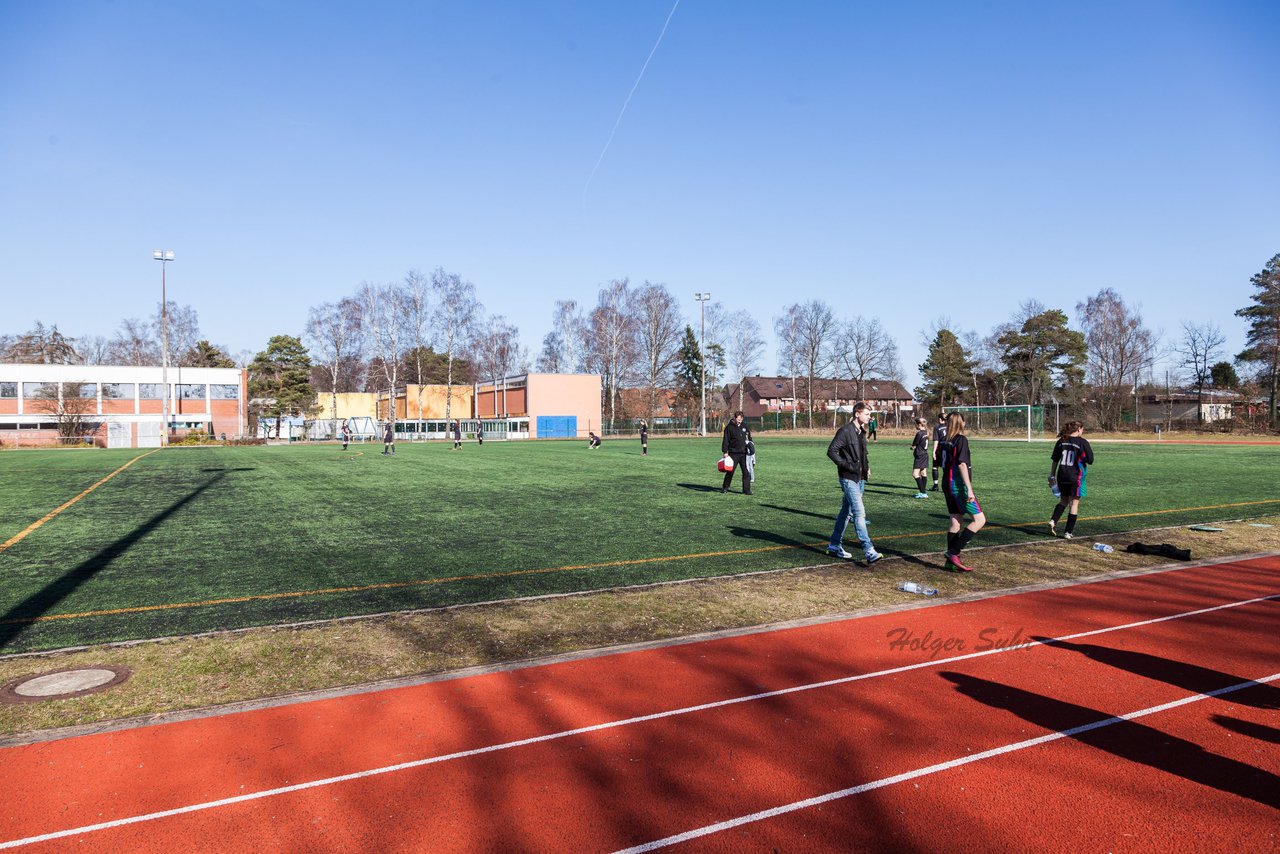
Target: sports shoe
{"x":1068,"y":536}
{"x":1053,"y":528}
{"x":840,"y":553}
{"x":922,"y":495}
{"x":873,"y":557}
{"x":953,"y":563}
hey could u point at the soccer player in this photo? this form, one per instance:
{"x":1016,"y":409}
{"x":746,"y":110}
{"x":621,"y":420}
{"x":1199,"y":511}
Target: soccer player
{"x":593,"y":441}
{"x":346,"y":435}
{"x":939,"y":436}
{"x":1071,"y":458}
{"x":920,"y":452}
{"x":644,"y":439}
{"x":480,"y":436}
{"x":389,"y":440}
{"x":871,"y":428}
{"x":957,"y":486}
{"x":457,"y":436}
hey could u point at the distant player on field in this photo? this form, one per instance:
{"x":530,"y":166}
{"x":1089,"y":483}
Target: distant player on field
{"x":346,"y":435}
{"x":389,"y":440}
{"x":1072,"y":456}
{"x":920,"y":458}
{"x":644,"y":439}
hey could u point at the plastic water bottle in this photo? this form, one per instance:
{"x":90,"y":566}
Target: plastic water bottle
{"x":1103,"y":547}
{"x":1057,"y":493}
{"x":912,"y":587}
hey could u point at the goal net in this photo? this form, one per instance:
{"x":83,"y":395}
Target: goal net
{"x":1022,"y":422}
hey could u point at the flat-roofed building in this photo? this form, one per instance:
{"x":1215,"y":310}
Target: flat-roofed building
{"x":120,"y":405}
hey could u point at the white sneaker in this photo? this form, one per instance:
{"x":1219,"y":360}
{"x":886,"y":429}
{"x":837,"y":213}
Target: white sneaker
{"x":1068,"y":536}
{"x":873,"y":557}
{"x":840,"y":553}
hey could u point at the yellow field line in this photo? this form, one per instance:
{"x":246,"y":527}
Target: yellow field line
{"x":392,"y":585}
{"x":36,"y":524}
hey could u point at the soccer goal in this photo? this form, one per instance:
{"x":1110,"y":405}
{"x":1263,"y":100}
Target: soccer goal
{"x":1020,"y":421}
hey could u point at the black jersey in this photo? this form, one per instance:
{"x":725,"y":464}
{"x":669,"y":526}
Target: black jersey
{"x":920,"y":444}
{"x":954,"y":452}
{"x":1072,"y":456}
{"x":939,"y":437}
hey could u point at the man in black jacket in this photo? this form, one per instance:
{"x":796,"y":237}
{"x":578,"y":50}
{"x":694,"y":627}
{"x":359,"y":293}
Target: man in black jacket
{"x":734,"y":444}
{"x":848,"y":450}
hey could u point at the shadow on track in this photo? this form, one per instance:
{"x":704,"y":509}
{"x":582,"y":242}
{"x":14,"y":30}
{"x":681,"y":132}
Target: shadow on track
{"x":1127,"y":740}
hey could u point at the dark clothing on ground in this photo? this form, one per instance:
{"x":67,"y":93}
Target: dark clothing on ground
{"x":848,"y":450}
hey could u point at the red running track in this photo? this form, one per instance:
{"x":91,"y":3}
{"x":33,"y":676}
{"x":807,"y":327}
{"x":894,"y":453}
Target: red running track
{"x":1150,"y":724}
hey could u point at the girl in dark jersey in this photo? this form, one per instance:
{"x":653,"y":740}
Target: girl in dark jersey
{"x":939,"y":436}
{"x":644,"y":439}
{"x":920,"y":454}
{"x":957,"y":486}
{"x":1072,"y":456}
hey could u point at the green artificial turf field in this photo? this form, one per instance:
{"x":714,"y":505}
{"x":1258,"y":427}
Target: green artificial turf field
{"x":195,"y":539}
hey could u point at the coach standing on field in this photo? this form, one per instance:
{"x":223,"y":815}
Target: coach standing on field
{"x":734,"y":445}
{"x":848,"y":450}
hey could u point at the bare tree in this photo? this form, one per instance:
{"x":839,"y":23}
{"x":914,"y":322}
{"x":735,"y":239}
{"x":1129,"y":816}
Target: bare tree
{"x":94,"y":349}
{"x":416,"y":306}
{"x":790,"y":360}
{"x":382,"y":315}
{"x":864,"y":350}
{"x":658,"y":328}
{"x":334,"y":332}
{"x":453,"y":322}
{"x":43,"y":346}
{"x":1200,"y":347}
{"x":133,"y":345}
{"x":744,"y":348}
{"x":811,"y":327}
{"x":70,"y":404}
{"x":498,"y":353}
{"x":183,"y":325}
{"x":1119,"y":349}
{"x":611,"y":341}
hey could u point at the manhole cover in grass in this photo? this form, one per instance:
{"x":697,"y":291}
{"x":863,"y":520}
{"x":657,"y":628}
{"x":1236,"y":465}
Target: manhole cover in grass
{"x":61,"y":684}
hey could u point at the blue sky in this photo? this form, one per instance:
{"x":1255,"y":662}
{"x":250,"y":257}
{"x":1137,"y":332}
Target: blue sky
{"x":898,"y":160}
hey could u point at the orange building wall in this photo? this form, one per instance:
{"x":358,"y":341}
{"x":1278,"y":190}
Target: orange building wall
{"x":565,"y":394}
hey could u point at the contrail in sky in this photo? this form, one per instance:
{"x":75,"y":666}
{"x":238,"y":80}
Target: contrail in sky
{"x":623,"y":111}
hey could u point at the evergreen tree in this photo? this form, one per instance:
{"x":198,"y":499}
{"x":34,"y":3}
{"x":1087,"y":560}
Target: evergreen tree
{"x":1224,"y":375}
{"x":1043,"y":353}
{"x":688,"y":374}
{"x":1263,"y":338}
{"x":206,"y":355}
{"x":280,"y":376}
{"x":947,"y":372}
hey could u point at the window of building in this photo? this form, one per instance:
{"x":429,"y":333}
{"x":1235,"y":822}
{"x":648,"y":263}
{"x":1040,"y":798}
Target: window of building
{"x":149,"y":391}
{"x":224,"y":392}
{"x":33,"y":391}
{"x":190,"y":391}
{"x":117,"y":391}
{"x":8,"y":389}
{"x":87,"y":390}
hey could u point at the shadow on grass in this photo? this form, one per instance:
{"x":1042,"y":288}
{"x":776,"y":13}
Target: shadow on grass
{"x":1128,"y":740}
{"x":699,"y":487}
{"x":771,"y":537}
{"x":26,"y":612}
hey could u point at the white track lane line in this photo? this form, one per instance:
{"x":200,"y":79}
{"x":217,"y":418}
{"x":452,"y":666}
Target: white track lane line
{"x":524,"y":742}
{"x":934,"y":769}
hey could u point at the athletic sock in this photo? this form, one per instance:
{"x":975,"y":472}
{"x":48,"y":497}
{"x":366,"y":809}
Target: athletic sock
{"x":962,"y":539}
{"x":1071,"y":522}
{"x":952,"y":540}
{"x":1057,"y":512}
{"x":921,"y":483}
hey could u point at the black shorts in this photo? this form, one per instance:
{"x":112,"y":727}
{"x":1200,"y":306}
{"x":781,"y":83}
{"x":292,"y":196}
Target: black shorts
{"x":921,"y":461}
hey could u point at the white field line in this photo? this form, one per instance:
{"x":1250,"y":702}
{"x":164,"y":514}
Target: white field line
{"x":934,"y":769}
{"x":555,"y":736}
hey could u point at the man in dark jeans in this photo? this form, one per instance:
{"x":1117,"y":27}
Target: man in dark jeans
{"x":734,"y":444}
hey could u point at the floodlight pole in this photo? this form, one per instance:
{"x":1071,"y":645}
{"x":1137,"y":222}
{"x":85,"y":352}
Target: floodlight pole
{"x":702,"y":372}
{"x":164,"y":257}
